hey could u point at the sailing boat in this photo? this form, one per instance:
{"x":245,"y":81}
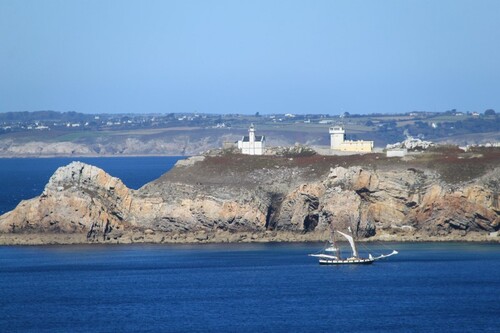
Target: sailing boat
{"x":335,"y":259}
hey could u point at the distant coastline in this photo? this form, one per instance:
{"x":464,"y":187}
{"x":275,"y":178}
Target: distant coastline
{"x":89,"y":156}
{"x":61,"y":134}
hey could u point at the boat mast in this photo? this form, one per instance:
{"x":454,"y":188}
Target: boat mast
{"x":334,"y":242}
{"x":355,"y":248}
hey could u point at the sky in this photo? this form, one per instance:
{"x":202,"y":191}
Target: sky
{"x":239,"y":56}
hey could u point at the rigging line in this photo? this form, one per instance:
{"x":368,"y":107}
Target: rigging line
{"x":376,"y":250}
{"x":324,"y":248}
{"x":385,"y":246}
{"x":368,"y":250}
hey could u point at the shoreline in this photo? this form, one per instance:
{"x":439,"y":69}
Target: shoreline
{"x":150,"y":237}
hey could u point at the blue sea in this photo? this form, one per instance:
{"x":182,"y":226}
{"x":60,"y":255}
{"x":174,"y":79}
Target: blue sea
{"x":247,"y":288}
{"x":428,"y":287}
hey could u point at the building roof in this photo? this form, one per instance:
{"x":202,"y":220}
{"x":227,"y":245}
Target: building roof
{"x":258,"y":138}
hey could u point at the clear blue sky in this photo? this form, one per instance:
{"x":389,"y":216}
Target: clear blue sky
{"x":97,"y":56}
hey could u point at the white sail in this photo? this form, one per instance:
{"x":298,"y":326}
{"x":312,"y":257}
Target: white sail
{"x":324,"y":256}
{"x":351,"y":241}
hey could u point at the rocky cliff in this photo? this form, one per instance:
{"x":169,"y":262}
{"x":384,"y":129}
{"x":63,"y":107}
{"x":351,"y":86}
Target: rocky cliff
{"x":264,"y":198}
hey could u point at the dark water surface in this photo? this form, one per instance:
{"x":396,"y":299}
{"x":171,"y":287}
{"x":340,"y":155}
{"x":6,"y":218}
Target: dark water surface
{"x":25,"y":178}
{"x":428,"y":287}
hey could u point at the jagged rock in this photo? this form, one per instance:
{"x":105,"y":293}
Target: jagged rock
{"x":78,"y":198}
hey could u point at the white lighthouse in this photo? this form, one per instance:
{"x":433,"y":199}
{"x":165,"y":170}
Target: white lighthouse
{"x":252,"y":144}
{"x":251,"y":134}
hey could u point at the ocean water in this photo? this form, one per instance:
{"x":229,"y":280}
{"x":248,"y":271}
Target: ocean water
{"x":25,"y":178}
{"x":428,"y":287}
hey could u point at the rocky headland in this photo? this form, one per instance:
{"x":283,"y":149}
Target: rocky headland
{"x":441,"y":195}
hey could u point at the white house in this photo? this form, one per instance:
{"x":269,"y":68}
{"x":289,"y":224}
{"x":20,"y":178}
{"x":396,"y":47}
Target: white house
{"x":252,"y":144}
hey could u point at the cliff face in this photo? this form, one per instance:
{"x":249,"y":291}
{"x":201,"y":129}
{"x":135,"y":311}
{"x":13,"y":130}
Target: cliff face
{"x":263,"y":196}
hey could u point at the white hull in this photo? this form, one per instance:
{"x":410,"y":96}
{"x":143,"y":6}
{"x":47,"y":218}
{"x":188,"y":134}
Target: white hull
{"x":346,"y":261}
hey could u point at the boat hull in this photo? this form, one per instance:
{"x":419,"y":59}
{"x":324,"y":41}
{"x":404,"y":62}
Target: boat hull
{"x":346,"y":262}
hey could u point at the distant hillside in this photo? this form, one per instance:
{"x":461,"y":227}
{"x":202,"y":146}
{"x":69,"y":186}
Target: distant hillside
{"x":50,"y":133}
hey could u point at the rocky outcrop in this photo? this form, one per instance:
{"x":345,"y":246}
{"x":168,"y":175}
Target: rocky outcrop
{"x":205,"y":199}
{"x":79,"y":198}
{"x":411,"y":144}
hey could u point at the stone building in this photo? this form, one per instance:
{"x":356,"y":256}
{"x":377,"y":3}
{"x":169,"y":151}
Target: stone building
{"x":338,"y":142}
{"x":252,"y":144}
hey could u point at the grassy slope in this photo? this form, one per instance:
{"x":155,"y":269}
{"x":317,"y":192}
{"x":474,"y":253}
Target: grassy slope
{"x":452,"y":164}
